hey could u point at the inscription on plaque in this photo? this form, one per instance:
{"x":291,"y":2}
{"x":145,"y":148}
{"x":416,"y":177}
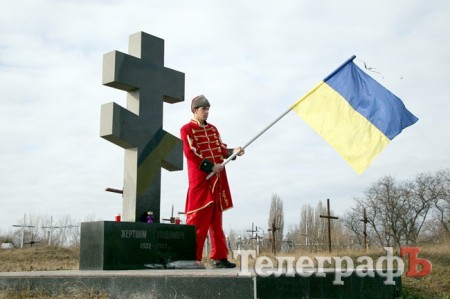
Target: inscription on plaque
{"x":136,"y":234}
{"x":167,"y":235}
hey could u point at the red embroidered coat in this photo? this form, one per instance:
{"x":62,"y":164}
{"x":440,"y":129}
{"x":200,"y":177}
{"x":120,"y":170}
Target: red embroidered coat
{"x":203,"y":148}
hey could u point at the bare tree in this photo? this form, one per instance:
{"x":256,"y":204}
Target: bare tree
{"x":397,"y":211}
{"x":352,"y":222}
{"x":301,"y":234}
{"x":311,"y":233}
{"x":320,"y":225}
{"x":64,"y":232}
{"x":423,"y":194}
{"x":307,"y":227}
{"x":276,"y":221}
{"x":69,"y":231}
{"x":441,"y":211}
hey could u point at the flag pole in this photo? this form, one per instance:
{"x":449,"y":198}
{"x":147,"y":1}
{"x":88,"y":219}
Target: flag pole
{"x":251,"y":141}
{"x":266,"y":128}
{"x":339,"y":68}
{"x":281,"y":116}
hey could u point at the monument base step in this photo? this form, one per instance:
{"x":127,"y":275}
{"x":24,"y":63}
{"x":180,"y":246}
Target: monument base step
{"x":207,"y":283}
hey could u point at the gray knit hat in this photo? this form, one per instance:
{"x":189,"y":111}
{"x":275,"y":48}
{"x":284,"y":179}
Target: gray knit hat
{"x":199,"y":101}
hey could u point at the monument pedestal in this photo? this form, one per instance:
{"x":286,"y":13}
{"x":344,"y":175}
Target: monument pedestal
{"x":109,"y":245}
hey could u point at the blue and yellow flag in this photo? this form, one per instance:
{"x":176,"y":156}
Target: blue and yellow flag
{"x":355,"y":114}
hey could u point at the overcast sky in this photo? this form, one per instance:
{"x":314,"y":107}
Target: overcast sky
{"x":252,"y":60}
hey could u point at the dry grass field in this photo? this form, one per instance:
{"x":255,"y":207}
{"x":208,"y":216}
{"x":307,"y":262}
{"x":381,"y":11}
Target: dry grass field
{"x":435,"y":285}
{"x":43,"y":259}
{"x":39,"y":258}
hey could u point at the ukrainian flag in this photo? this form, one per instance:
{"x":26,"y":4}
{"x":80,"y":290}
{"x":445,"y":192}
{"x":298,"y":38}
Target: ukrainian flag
{"x":355,"y":114}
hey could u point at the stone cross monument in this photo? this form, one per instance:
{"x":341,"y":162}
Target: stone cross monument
{"x":138,"y":129}
{"x":132,"y":244}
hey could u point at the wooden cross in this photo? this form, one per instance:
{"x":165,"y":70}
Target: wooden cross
{"x":138,"y":129}
{"x":329,"y":217}
{"x":365,"y":221}
{"x":273,"y":229}
{"x":256,"y":237}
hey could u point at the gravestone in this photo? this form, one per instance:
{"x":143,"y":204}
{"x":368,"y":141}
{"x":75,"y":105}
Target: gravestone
{"x":132,"y":244}
{"x":7,"y":246}
{"x":109,"y":245}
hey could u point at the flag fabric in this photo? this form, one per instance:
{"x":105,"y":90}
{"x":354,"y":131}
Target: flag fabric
{"x":355,"y":114}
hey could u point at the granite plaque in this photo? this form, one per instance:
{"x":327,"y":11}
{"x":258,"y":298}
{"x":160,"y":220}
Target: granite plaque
{"x":109,"y":245}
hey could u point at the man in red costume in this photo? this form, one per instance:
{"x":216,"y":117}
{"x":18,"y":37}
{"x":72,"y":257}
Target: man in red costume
{"x":207,"y":199}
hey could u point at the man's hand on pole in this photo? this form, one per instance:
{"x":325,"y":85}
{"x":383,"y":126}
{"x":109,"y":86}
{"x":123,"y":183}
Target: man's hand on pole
{"x":239,"y":150}
{"x":217,"y":168}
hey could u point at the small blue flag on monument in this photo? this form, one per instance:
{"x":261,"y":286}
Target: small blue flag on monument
{"x":355,"y":114}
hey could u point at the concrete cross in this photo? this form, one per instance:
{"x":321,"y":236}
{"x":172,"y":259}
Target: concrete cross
{"x":138,"y":129}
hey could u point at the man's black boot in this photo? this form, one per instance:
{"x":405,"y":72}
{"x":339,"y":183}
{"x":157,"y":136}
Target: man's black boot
{"x":223,"y":263}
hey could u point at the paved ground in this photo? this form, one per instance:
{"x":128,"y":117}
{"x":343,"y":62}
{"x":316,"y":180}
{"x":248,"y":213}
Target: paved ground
{"x":117,"y":273}
{"x":201,"y":283}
